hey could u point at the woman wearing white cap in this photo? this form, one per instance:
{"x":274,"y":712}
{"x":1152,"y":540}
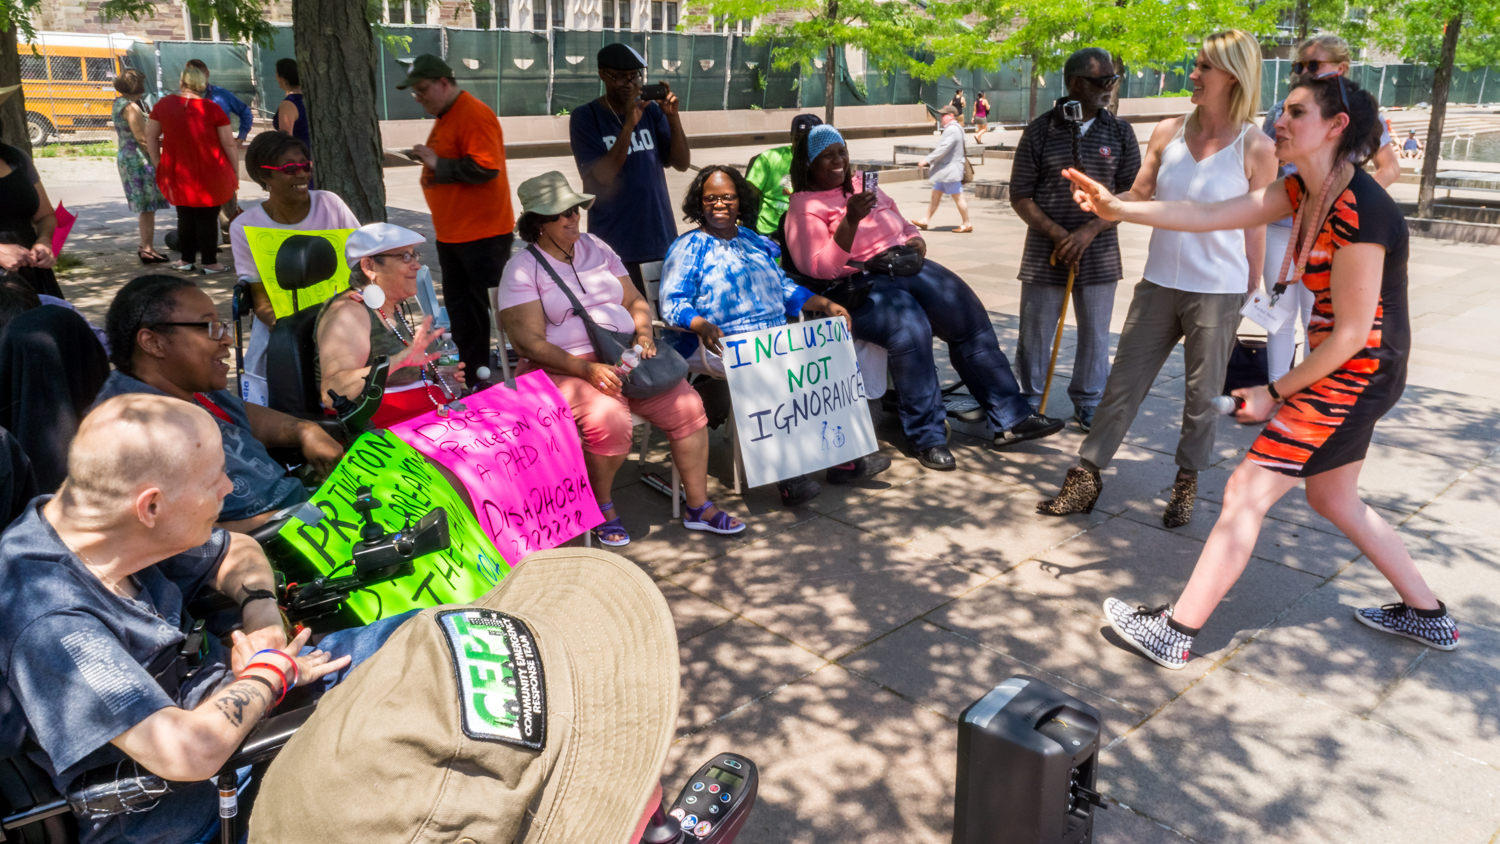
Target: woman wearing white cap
{"x":371,"y":319}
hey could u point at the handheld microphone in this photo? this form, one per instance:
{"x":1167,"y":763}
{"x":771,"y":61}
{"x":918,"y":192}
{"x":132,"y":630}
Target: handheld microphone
{"x":1227,"y":405}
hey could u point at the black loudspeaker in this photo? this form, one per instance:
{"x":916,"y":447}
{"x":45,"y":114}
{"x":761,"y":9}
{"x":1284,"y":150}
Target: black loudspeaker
{"x":1027,"y":760}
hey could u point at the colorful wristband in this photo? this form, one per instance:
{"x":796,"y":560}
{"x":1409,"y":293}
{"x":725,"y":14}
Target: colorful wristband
{"x":296,"y":672}
{"x":285,"y":687}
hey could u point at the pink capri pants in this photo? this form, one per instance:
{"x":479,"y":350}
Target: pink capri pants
{"x":604,"y":421}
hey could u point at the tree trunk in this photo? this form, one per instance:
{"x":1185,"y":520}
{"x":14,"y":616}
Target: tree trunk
{"x":1031,"y":109}
{"x":13,"y":113}
{"x":336,"y":58}
{"x":830,"y":78}
{"x":1441,"y":78}
{"x":1303,"y":12}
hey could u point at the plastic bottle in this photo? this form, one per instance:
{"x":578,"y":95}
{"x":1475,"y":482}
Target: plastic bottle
{"x":629,"y":359}
{"x":447,"y":351}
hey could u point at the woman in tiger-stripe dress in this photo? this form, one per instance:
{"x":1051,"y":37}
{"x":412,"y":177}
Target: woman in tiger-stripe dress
{"x":1349,"y":243}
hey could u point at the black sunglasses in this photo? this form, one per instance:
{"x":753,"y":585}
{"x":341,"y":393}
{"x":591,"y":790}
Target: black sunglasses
{"x":1103,"y":82}
{"x":1310,"y":66}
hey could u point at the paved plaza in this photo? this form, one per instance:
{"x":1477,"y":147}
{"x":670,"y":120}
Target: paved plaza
{"x":837,"y":643}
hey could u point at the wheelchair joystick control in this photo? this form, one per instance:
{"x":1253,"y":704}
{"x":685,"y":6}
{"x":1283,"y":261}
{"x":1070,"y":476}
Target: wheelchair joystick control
{"x":342,"y":407}
{"x":364,"y":504}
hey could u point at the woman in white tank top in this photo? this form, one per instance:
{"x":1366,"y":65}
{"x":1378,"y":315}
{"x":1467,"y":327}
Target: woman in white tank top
{"x":1195,"y":284}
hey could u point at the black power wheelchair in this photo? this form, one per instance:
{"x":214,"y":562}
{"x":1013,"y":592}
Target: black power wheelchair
{"x":31,"y":809}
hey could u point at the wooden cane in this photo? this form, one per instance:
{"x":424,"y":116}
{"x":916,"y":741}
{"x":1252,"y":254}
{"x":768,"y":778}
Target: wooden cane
{"x":1057,"y":338}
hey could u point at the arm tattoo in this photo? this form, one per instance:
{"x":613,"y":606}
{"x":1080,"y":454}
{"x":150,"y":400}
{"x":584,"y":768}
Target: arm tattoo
{"x":233,"y":700}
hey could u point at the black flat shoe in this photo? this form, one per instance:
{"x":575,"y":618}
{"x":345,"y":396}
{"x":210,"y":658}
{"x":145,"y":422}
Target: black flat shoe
{"x":1032,"y":427}
{"x":797,"y":491}
{"x":938,"y":457}
{"x":148,"y":258}
{"x":865,"y":467}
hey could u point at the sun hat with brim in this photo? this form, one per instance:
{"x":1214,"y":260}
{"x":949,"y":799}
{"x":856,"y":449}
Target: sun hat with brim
{"x":377,"y":238}
{"x":541,"y":714}
{"x":549,"y":194}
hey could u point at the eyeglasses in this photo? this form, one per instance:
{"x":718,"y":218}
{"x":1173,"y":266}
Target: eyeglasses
{"x":625,"y":76}
{"x":725,"y":200}
{"x":1103,"y":82}
{"x":571,"y":212}
{"x":408,"y":257}
{"x":291,"y":169}
{"x":216,"y":328}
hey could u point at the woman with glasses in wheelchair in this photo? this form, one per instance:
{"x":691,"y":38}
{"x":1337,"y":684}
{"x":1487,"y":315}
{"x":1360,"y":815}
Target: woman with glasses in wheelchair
{"x":724,"y":279}
{"x":372,"y":319}
{"x":550,"y":335}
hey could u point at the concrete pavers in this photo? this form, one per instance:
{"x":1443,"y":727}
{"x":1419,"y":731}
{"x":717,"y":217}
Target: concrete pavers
{"x":836,"y":643}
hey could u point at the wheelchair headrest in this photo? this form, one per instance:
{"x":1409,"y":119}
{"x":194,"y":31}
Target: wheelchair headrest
{"x":304,"y":260}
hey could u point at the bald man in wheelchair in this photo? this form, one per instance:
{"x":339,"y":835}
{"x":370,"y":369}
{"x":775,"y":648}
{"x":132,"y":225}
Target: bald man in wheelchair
{"x":101,"y":663}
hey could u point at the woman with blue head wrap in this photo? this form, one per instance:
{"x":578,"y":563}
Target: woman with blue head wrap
{"x":857,"y":249}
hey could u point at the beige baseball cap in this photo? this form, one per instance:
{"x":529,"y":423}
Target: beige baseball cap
{"x":540,"y":714}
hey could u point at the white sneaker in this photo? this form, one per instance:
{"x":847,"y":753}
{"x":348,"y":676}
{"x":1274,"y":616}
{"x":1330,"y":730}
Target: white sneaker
{"x":1147,"y":629}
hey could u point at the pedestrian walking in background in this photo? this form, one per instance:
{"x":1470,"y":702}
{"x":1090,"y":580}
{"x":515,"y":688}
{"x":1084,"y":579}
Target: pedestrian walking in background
{"x":237,"y":109}
{"x":946,"y":169}
{"x":1195,"y":283}
{"x":622,"y":146}
{"x":958,"y":104}
{"x":1060,"y":235}
{"x":981,"y":117}
{"x":137,"y":175}
{"x":193,"y":151}
{"x":291,"y":115}
{"x":468,"y":193}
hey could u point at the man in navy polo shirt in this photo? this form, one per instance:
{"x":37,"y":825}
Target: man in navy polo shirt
{"x":632,"y":210}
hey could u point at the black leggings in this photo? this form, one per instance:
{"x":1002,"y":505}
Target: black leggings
{"x":198,"y":233}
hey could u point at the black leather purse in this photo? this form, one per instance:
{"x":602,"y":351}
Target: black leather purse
{"x":654,"y":376}
{"x":901,"y":260}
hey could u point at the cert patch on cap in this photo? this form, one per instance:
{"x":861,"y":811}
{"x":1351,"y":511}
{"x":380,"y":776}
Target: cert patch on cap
{"x":501,"y":689}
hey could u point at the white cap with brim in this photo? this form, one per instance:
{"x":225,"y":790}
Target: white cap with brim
{"x":377,"y":238}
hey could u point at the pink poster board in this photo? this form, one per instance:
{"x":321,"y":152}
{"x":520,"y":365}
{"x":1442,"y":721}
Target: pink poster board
{"x":65,"y":221}
{"x":518,"y":454}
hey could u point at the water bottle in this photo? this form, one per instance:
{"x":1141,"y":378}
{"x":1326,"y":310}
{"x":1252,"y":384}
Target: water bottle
{"x":447,"y":351}
{"x":629,"y":359}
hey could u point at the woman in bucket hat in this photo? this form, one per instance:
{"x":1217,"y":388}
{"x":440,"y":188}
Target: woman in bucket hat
{"x":549,"y":335}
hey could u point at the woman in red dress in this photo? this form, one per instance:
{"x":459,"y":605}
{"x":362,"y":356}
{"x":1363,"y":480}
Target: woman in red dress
{"x":193,"y":151}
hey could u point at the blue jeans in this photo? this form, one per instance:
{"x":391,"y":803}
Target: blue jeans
{"x":361,"y":643}
{"x":902,"y":315}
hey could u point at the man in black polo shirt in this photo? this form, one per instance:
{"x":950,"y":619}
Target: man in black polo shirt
{"x":1057,"y":228}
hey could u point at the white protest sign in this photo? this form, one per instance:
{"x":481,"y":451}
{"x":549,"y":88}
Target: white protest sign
{"x":799,"y":400}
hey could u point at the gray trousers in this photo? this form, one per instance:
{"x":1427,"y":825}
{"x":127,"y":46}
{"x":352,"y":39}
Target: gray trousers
{"x":1159,"y":317}
{"x":1041,"y":305}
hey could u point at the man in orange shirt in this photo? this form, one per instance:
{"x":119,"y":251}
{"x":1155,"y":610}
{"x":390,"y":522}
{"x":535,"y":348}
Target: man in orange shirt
{"x":463,"y":178}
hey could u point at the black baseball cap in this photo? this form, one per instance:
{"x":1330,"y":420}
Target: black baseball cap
{"x":620,"y":57}
{"x":804,"y":122}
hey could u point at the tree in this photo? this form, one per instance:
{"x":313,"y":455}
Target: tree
{"x":891,"y":34}
{"x":13,"y":113}
{"x":1435,"y":32}
{"x":336,"y":58}
{"x":1138,"y":33}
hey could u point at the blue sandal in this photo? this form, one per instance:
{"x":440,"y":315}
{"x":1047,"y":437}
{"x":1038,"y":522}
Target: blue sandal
{"x":693,"y":520}
{"x":613,"y":527}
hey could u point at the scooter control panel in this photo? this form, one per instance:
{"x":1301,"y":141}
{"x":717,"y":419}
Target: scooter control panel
{"x":714,"y":804}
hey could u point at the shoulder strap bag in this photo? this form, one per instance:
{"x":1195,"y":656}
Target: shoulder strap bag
{"x":654,"y":375}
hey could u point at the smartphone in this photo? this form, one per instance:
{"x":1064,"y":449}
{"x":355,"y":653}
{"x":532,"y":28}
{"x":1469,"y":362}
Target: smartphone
{"x":654,"y":91}
{"x":871,"y":180}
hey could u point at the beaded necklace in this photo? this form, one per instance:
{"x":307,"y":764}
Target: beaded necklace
{"x":449,"y":394}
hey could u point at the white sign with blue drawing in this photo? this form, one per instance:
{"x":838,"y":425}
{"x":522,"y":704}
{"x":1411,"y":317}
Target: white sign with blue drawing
{"x":799,"y":400}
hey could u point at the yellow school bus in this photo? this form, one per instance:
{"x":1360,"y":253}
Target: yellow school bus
{"x":68,"y":79}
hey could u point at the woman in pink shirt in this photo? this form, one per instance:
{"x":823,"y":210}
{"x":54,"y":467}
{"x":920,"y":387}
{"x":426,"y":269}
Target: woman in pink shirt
{"x":832,"y":232}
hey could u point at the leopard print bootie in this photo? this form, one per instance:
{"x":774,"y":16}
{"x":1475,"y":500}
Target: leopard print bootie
{"x":1180,"y":509}
{"x":1079,"y":491}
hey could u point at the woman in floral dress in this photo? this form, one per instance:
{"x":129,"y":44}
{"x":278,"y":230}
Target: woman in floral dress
{"x":136,"y":173}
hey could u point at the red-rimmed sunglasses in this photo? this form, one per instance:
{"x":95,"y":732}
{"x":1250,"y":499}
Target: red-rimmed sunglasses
{"x":290,"y":169}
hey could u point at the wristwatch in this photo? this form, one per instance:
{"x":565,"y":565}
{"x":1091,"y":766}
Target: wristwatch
{"x":1271,"y":388}
{"x":256,"y":595}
